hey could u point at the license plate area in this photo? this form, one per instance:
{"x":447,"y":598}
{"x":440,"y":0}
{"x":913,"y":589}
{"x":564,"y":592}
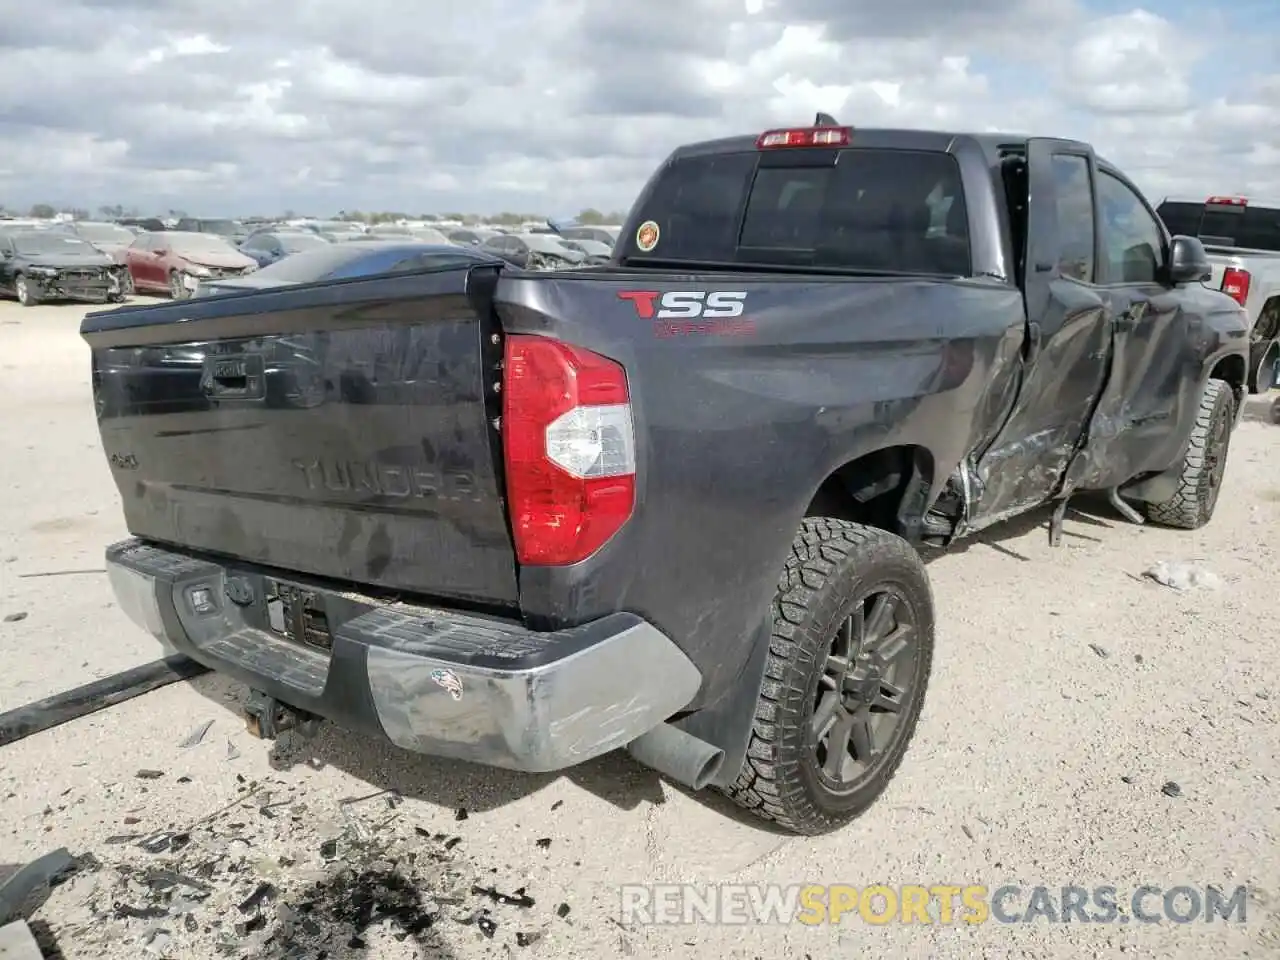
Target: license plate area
{"x":298,"y":614}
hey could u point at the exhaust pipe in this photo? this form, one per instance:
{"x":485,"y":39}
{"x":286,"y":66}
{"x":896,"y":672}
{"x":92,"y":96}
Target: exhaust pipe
{"x":679,"y":755}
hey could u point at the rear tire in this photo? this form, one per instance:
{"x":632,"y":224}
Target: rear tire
{"x":1204,"y":464}
{"x":837,"y":576}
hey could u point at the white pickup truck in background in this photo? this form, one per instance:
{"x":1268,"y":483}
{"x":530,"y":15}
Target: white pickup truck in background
{"x":1242,"y":238}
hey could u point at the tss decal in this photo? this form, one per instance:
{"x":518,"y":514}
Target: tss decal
{"x":686,"y":304}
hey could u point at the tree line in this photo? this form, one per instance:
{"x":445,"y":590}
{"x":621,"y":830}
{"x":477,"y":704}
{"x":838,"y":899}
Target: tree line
{"x":588,"y":217}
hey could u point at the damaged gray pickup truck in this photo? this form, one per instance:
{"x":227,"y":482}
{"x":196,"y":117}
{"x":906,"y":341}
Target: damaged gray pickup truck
{"x":669,"y":503}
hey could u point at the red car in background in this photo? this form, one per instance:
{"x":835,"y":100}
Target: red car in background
{"x":175,"y":261}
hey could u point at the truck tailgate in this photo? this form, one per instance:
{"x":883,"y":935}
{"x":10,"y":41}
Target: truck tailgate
{"x":341,"y":430}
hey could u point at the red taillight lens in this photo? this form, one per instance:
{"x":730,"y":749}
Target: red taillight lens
{"x":569,"y":446}
{"x":1235,"y":284}
{"x":1229,"y":201}
{"x":804,"y":137}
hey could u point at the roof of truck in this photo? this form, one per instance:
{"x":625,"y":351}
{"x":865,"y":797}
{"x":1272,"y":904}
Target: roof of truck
{"x":1270,"y":204}
{"x":992,"y":143}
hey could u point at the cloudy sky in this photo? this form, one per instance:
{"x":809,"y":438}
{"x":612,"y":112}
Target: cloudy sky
{"x":241,"y":106}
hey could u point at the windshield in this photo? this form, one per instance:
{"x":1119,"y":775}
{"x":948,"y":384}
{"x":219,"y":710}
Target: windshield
{"x":50,"y":243}
{"x":1218,"y":224}
{"x":315,"y":264}
{"x":295,"y":242}
{"x":874,"y":210}
{"x":196,"y":243}
{"x":104,"y":233}
{"x":224,"y":228}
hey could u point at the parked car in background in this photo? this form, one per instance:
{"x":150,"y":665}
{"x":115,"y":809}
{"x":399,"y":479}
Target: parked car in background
{"x":595,"y":251}
{"x":176,"y":261}
{"x":335,"y":229}
{"x":533,"y":251}
{"x":37,"y":265}
{"x":344,"y":261}
{"x":606,"y":235}
{"x":471,"y":236}
{"x":144,"y":223}
{"x":232,"y":230}
{"x":430,"y":235}
{"x":268,"y":246}
{"x":1242,"y":238}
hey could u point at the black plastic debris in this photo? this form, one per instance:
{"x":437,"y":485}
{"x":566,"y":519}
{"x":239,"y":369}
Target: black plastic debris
{"x":422,"y":832}
{"x":163,"y":841}
{"x":264,"y":892}
{"x":543,"y":843}
{"x":329,"y":849}
{"x":461,"y":814}
{"x":562,"y":911}
{"x":122,"y":911}
{"x":452,"y":842}
{"x":527,"y":939}
{"x":184,"y":779}
{"x":355,"y":943}
{"x":132,"y":821}
{"x":517,"y":899}
{"x":189,"y":924}
{"x":15,"y":617}
{"x":252,"y":925}
{"x":488,"y":926}
{"x":1171,"y":789}
{"x":149,"y":774}
{"x":557,"y":805}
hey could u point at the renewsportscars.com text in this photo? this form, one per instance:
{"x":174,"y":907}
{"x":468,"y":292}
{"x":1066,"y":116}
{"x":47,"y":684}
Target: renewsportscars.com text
{"x":816,"y":904}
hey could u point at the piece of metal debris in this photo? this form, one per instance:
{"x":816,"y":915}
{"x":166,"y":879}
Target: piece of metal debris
{"x":232,"y":752}
{"x":1100,"y":651}
{"x":964,"y":828}
{"x":1171,"y":789}
{"x":543,"y":843}
{"x":517,"y":899}
{"x":17,"y":889}
{"x":196,"y":736}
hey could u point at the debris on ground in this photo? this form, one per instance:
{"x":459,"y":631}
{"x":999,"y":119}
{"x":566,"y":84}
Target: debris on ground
{"x":1171,"y":789}
{"x":15,"y":617}
{"x":1100,"y":651}
{"x":306,"y":885}
{"x":1182,"y":575}
{"x":196,"y":736}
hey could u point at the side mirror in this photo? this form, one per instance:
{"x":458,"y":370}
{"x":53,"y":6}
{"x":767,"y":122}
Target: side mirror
{"x":1188,"y":262}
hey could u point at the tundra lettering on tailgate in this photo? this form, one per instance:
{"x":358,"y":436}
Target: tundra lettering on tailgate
{"x":685,"y":312}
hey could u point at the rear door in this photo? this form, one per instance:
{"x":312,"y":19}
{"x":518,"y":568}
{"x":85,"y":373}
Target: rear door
{"x":344,"y":430}
{"x":1068,"y":336}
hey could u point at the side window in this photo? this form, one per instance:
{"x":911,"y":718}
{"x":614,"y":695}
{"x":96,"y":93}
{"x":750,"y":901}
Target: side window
{"x":1131,"y":237}
{"x":1075,"y":216}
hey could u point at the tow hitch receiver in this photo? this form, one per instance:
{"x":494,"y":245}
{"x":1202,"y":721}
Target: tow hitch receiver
{"x":266,"y":717}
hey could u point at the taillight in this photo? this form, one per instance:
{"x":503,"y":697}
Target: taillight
{"x":804,"y":137}
{"x":1228,"y":201}
{"x":1235,"y":284}
{"x":569,"y":446}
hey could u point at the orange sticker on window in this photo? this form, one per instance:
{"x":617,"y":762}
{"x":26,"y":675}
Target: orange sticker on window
{"x":647,"y":236}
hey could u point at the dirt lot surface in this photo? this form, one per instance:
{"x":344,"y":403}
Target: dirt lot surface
{"x":1085,"y":726}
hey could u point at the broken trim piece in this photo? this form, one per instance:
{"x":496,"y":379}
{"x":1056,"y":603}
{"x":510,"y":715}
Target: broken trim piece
{"x":22,"y":722}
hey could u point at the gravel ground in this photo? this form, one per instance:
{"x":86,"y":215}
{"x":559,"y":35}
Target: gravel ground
{"x":1068,"y":693}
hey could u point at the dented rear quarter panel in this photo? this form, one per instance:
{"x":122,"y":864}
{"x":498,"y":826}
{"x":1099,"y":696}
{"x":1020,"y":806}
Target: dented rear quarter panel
{"x":736,"y":433}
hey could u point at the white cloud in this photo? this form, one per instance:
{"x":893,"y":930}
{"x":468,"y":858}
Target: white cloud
{"x":554,"y":105}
